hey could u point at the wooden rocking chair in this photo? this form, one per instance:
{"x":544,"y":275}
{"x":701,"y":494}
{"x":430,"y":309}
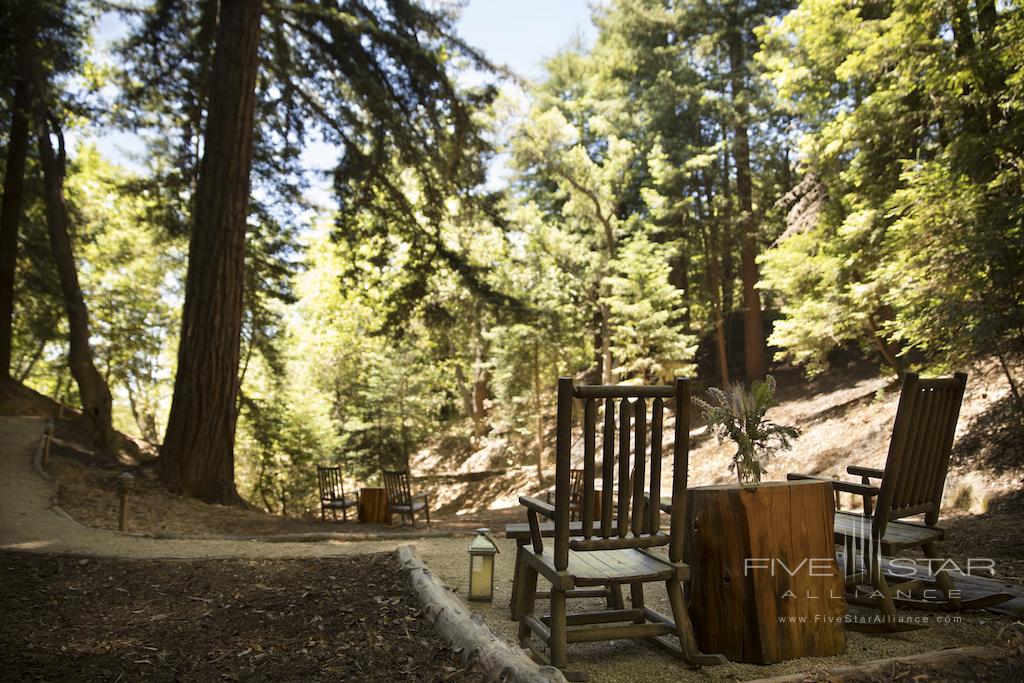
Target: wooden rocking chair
{"x":614,"y":549}
{"x":332,"y":492}
{"x":400,"y":497}
{"x":911,"y":485}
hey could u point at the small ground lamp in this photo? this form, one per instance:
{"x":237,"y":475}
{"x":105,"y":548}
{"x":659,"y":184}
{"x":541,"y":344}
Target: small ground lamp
{"x":481,"y":566}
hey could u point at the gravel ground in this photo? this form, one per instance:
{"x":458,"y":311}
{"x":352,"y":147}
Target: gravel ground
{"x":638,"y":660}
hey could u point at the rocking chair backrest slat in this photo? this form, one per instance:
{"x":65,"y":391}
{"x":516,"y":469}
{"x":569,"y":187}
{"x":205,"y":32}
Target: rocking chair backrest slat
{"x":915,"y":470}
{"x":623,"y":493}
{"x":640,"y":433}
{"x":629,"y":521}
{"x":654,"y":512}
{"x":330,"y":483}
{"x":608,"y":468}
{"x":397,"y":486}
{"x":589,"y":446}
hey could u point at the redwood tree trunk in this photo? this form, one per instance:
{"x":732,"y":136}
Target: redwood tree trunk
{"x":10,"y":217}
{"x":753,"y":324}
{"x":198,"y":452}
{"x":92,"y":388}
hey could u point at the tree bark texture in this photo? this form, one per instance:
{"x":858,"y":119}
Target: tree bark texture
{"x":198,"y":452}
{"x":10,"y":218}
{"x":92,"y":388}
{"x":753,"y":323}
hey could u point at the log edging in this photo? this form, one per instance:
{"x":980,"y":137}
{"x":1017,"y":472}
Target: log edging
{"x":467,"y":633}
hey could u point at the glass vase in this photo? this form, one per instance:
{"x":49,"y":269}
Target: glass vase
{"x":748,"y":471}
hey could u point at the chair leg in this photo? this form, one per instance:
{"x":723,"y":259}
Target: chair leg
{"x":849,"y":557}
{"x":426,"y":506}
{"x":878,"y":582}
{"x":515,"y":609}
{"x":684,"y":629}
{"x":636,"y":598}
{"x":557,"y":641}
{"x":942,"y":576}
{"x":527,"y":599}
{"x":344,"y":513}
{"x":615,"y":596}
{"x":412,"y":516}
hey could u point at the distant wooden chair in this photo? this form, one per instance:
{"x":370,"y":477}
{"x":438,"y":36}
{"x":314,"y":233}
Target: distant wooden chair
{"x":401,"y":500}
{"x":911,"y":485}
{"x":575,"y":493}
{"x":614,"y":549}
{"x":332,"y":492}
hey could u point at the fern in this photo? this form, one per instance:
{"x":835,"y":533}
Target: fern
{"x":737,"y":414}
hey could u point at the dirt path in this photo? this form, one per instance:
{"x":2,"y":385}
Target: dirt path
{"x":30,"y":521}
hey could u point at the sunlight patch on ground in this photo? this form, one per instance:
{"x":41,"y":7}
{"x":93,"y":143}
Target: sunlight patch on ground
{"x":28,"y":545}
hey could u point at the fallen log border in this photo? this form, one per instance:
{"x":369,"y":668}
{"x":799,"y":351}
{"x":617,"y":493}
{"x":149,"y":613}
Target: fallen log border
{"x":467,"y":633}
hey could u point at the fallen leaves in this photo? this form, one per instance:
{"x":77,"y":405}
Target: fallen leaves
{"x":339,"y":618}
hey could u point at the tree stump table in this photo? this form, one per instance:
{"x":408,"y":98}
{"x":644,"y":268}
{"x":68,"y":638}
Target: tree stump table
{"x":764,"y":583}
{"x":373,"y":505}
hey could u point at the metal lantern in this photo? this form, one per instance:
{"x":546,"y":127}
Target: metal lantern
{"x":481,"y":565}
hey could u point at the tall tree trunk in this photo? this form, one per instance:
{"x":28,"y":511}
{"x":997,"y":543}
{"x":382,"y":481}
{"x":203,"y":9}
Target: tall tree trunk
{"x":538,"y":412}
{"x":606,"y":345}
{"x":753,"y":323}
{"x":465,"y":393}
{"x":10,"y":217}
{"x":679,"y":277}
{"x":481,"y":378}
{"x":889,"y":353}
{"x":93,"y":390}
{"x":198,"y":452}
{"x":712,"y":247}
{"x":726,"y":250}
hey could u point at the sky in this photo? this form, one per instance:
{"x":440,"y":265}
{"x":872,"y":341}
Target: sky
{"x":518,"y":34}
{"x":521,"y":33}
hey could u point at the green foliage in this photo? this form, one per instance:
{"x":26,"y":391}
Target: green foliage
{"x":737,"y":414}
{"x":646,"y":335}
{"x":886,"y":145}
{"x":911,"y":121}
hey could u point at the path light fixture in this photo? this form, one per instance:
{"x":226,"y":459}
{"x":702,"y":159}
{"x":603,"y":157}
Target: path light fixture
{"x":481,"y":566}
{"x":125,"y":483}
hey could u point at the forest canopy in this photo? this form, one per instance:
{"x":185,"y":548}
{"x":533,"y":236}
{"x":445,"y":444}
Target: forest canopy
{"x":706,"y":189}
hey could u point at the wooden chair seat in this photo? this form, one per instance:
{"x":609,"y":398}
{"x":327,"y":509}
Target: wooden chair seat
{"x":340,"y":504}
{"x":414,"y":506}
{"x":898,"y":535}
{"x":603,"y":567}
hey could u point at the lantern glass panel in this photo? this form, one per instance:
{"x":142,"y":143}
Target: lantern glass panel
{"x":481,"y":576}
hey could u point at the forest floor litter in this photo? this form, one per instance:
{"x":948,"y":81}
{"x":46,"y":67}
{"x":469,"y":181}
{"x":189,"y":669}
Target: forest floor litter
{"x":347,"y":618}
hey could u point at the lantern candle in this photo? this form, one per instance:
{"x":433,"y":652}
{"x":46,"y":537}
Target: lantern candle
{"x":481,"y":566}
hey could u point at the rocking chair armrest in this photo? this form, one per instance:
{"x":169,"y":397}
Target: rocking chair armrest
{"x":837,"y":484}
{"x":868,"y":472}
{"x":538,"y":506}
